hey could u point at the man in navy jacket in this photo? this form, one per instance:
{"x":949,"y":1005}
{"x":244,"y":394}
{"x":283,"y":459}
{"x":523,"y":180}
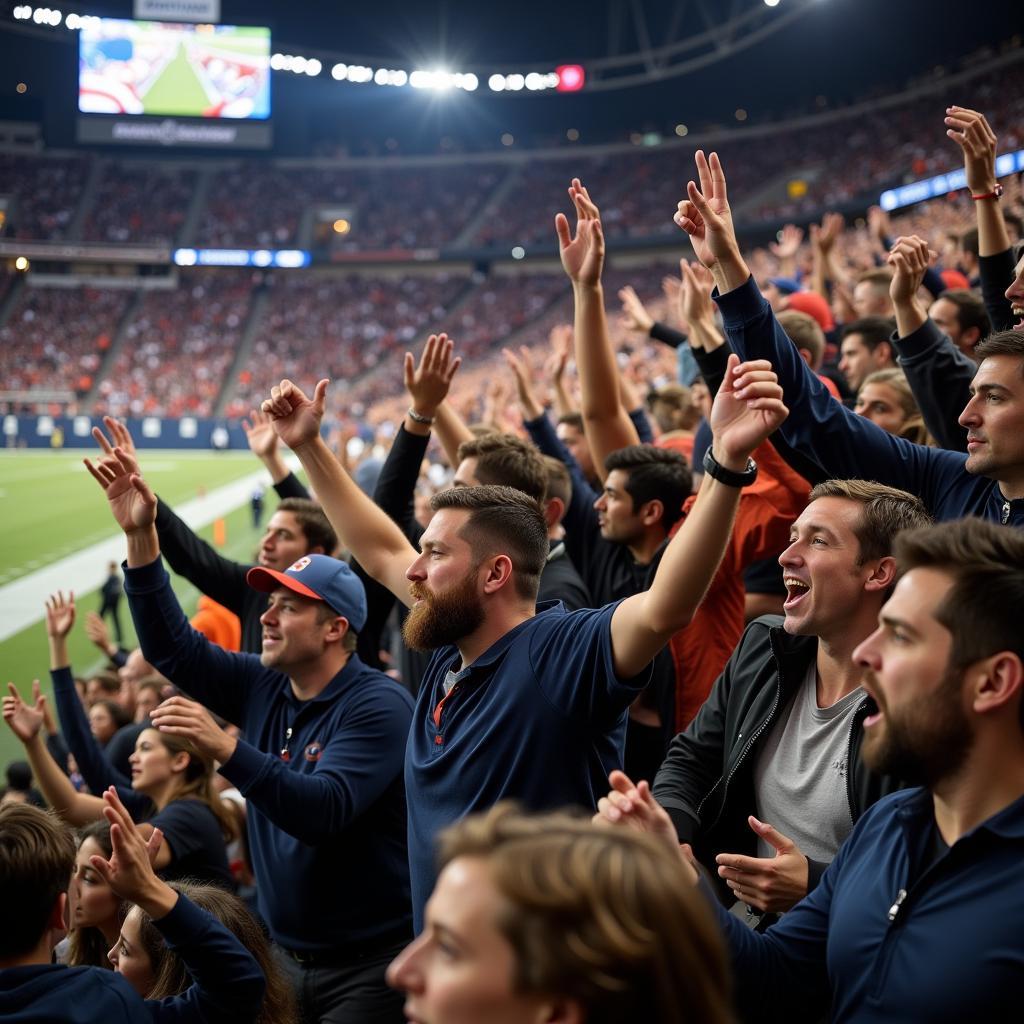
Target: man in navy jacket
{"x":520,"y":702}
{"x":37,"y":855}
{"x":988,"y":481}
{"x":320,"y":767}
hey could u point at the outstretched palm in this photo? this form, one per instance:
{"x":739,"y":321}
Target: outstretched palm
{"x":60,"y":614}
{"x":132,"y":503}
{"x":582,"y":255}
{"x":25,"y":720}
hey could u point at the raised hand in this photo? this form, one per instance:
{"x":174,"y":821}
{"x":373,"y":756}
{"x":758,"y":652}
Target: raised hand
{"x":129,"y":870}
{"x":296,"y":418}
{"x":634,"y":313}
{"x":429,"y":382}
{"x":24,"y":720}
{"x":973,"y":134}
{"x":132,"y":503}
{"x":909,"y":260}
{"x":120,"y":435}
{"x":705,"y":215}
{"x":60,"y":614}
{"x":747,"y":409}
{"x":582,"y":255}
{"x":771,"y":884}
{"x":825,"y":235}
{"x":96,"y":630}
{"x":259,"y":433}
{"x":879,"y":226}
{"x":560,"y":337}
{"x":521,"y":366}
{"x":788,"y":244}
{"x":695,"y":304}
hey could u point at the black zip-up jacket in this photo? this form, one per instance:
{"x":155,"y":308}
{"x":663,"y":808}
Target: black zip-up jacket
{"x":706,"y":782}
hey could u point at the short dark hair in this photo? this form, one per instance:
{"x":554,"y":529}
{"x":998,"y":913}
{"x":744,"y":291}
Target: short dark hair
{"x":507,"y":460}
{"x":969,"y":241}
{"x":1002,"y":343}
{"x":970,"y":309}
{"x":572,"y":419}
{"x":502,"y":520}
{"x":982,"y":608}
{"x":655,"y":474}
{"x":880,"y":277}
{"x":873,"y":330}
{"x":324,"y":611}
{"x":37,"y":856}
{"x":314,"y":524}
{"x":559,"y":480}
{"x":887,"y":511}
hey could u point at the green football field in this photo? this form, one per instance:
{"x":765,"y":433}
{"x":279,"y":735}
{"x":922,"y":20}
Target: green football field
{"x":177,"y":90}
{"x":50,"y":508}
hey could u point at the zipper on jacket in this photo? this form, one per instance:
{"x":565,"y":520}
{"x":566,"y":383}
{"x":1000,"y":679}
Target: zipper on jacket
{"x":849,"y":759}
{"x":751,"y":740}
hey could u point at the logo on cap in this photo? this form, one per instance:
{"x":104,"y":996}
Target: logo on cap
{"x":300,"y":564}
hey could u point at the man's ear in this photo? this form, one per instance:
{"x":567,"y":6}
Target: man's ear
{"x":995,"y":682}
{"x":499,"y":573}
{"x":652,"y":512}
{"x":57,"y":924}
{"x":337,"y":627}
{"x":554,"y":509}
{"x":882,"y":576}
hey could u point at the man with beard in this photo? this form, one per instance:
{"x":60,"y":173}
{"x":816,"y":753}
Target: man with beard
{"x":918,"y":917}
{"x":320,"y":766}
{"x":518,"y":702}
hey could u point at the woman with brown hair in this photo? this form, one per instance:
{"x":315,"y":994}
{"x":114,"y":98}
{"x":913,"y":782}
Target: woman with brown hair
{"x":95,"y":912}
{"x":885,"y":398}
{"x":155,"y":971}
{"x":172,"y":789}
{"x":548,"y":918}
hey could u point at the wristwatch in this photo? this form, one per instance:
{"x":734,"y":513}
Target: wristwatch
{"x":731,"y":478}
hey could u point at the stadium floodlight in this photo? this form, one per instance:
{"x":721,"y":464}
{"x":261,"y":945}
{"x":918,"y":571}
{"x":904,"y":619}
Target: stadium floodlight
{"x":185,"y":257}
{"x":339,"y":72}
{"x":518,"y":252}
{"x":313,"y":67}
{"x":470,"y":82}
{"x":515,"y":82}
{"x":571,"y":77}
{"x":496,"y":83}
{"x":771,"y":3}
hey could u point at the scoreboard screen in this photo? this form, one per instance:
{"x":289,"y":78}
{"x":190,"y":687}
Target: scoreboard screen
{"x":174,"y":70}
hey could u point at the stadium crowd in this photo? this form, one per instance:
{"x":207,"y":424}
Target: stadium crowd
{"x":663,"y":666}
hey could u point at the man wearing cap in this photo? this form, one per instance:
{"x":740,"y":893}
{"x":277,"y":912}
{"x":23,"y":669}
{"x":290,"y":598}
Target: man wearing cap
{"x":320,"y":766}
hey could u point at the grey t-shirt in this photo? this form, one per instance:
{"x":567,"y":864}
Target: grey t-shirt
{"x":800,"y":774}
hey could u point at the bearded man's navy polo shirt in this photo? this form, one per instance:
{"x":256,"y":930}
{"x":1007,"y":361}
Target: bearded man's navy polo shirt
{"x":539,"y":717}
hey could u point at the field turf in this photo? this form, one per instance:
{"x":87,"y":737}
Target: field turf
{"x":50,"y":507}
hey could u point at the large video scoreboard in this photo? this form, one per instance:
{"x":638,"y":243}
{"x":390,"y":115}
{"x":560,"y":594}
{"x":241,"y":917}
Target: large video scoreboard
{"x":162,"y":83}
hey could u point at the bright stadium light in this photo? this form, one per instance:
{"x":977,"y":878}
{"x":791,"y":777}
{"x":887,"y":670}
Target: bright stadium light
{"x":313,"y":67}
{"x":496,"y":83}
{"x":771,"y":3}
{"x":339,"y":72}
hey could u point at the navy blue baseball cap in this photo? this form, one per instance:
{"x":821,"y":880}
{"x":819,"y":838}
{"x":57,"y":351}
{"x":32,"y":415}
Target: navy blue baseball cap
{"x":321,"y":578}
{"x":786,"y":285}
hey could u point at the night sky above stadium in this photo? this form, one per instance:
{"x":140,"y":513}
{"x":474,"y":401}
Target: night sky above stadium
{"x":840,"y":50}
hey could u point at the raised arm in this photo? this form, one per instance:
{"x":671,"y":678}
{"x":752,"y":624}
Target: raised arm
{"x":939,"y":373}
{"x":92,"y":762}
{"x":607,"y":422}
{"x":747,"y":409}
{"x":786,"y":248}
{"x":818,"y":428}
{"x":973,"y":134}
{"x":227,"y":983}
{"x":379,"y":545}
{"x":259,"y":432}
{"x":26,"y":722}
{"x":428,"y":384}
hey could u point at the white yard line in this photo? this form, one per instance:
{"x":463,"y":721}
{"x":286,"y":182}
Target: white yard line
{"x":21,"y":601}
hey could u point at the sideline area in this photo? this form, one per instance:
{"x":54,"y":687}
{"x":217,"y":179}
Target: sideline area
{"x":21,"y":601}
